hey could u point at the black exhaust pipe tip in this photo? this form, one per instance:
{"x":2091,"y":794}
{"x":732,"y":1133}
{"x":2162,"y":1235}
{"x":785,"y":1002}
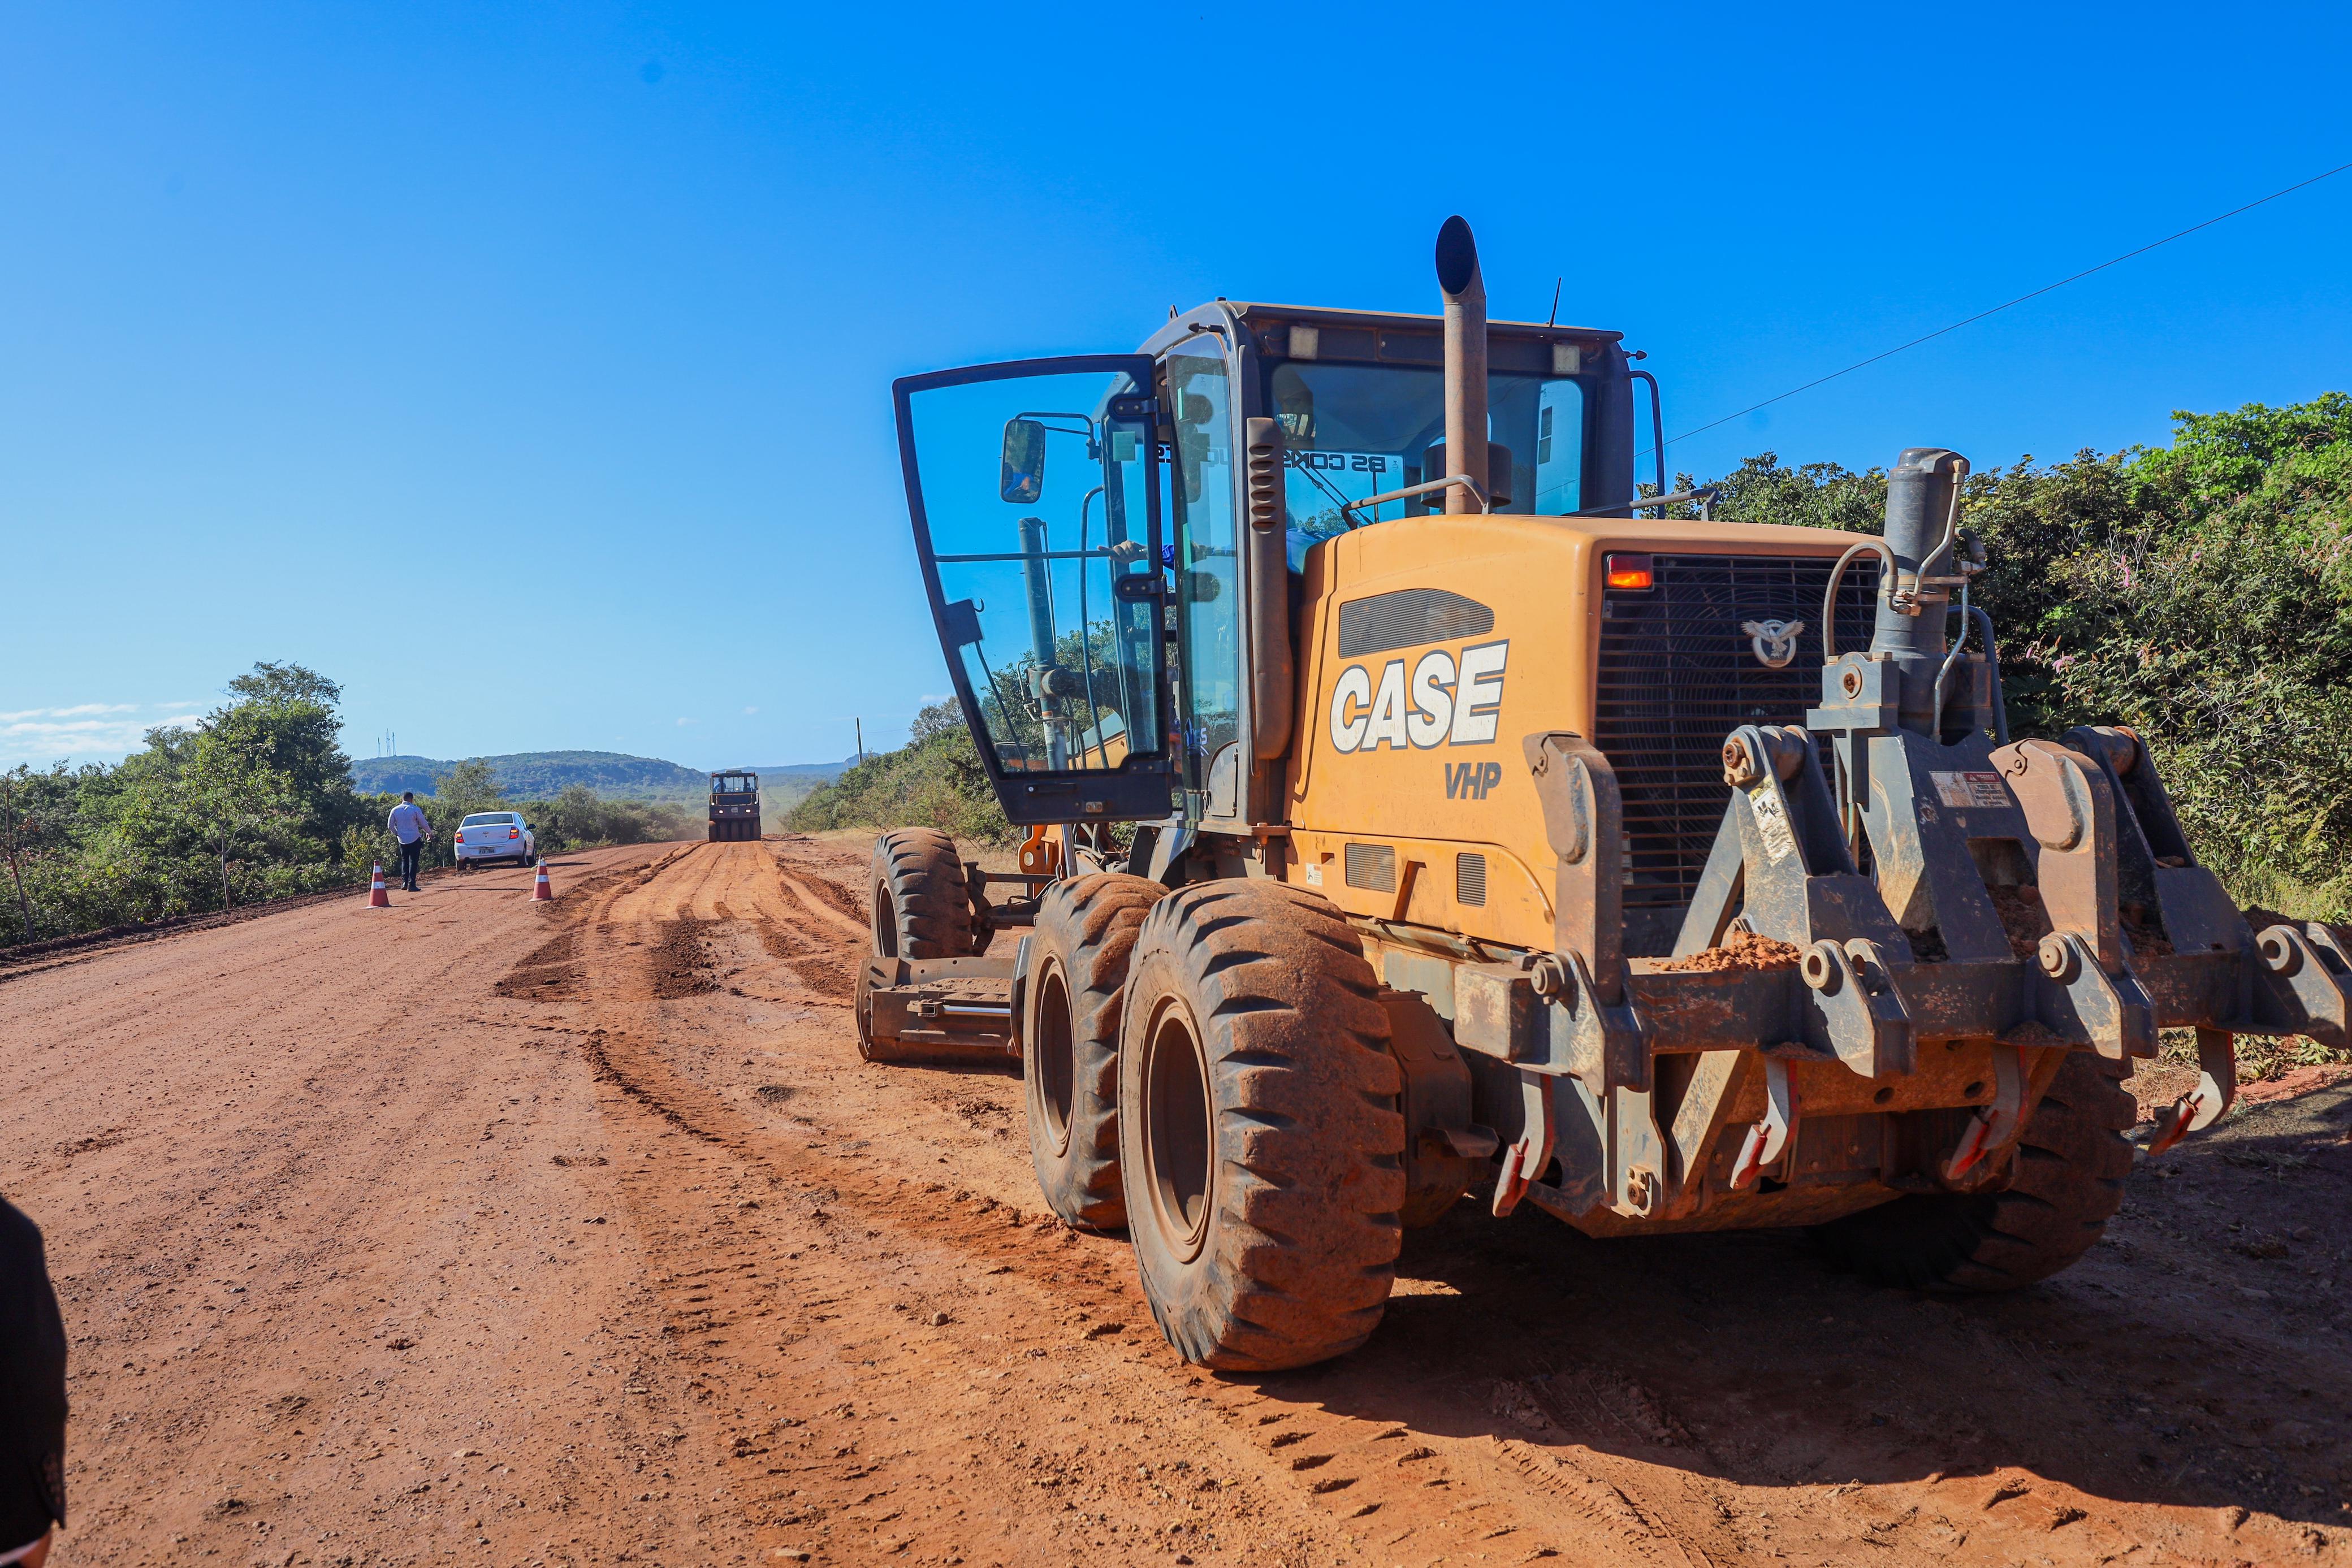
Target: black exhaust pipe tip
{"x":1457,"y":255}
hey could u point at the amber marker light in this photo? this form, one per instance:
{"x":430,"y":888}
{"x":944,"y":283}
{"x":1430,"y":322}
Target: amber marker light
{"x":1631,"y":572}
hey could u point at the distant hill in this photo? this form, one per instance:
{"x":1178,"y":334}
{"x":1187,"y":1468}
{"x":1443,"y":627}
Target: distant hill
{"x":825,"y":772}
{"x":540,"y":775}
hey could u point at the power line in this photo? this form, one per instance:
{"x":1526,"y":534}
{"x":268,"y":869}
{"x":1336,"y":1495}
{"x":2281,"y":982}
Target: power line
{"x":1997,"y":309}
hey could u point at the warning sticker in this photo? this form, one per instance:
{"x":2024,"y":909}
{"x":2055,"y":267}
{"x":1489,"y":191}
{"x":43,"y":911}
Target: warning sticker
{"x":1961,"y":790}
{"x":1773,"y":828}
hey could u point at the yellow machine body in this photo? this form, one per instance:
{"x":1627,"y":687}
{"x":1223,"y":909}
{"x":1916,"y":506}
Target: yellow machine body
{"x":1402,"y":786}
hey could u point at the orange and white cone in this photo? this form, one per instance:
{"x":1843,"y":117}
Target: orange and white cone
{"x":542,"y":890}
{"x":377,"y":897}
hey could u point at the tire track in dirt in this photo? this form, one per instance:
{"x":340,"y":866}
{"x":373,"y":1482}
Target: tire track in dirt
{"x":909,"y":1361}
{"x":703,"y":1282}
{"x":313,"y":1258}
{"x":828,"y":903}
{"x":1300,"y":1483}
{"x":1331,"y":1468}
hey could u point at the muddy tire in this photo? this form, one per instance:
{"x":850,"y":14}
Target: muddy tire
{"x":1078,"y":958}
{"x":921,"y":905}
{"x":2068,"y":1181}
{"x":1261,"y":1146}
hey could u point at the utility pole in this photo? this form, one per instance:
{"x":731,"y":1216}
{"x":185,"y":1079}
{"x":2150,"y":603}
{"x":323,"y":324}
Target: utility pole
{"x":861,"y":740}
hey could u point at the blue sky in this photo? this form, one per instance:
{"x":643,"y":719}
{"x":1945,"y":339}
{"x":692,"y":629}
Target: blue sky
{"x":526,"y":367}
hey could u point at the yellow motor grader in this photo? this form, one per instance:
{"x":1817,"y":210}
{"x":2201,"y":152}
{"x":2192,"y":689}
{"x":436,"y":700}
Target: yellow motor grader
{"x":1417,"y":809}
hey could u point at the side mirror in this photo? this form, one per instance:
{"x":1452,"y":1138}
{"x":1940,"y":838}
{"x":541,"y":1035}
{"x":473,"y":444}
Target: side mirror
{"x":1020,"y":468}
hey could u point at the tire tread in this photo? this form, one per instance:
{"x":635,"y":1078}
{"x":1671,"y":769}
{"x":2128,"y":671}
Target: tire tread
{"x":1301,"y":1252}
{"x":1089,"y":923}
{"x":2065,"y":1184}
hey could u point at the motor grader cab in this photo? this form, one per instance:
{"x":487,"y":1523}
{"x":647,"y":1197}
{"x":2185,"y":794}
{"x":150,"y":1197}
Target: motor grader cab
{"x":734,"y":806}
{"x":1415,"y":810}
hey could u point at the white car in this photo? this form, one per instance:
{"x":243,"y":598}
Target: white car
{"x":491,"y":836}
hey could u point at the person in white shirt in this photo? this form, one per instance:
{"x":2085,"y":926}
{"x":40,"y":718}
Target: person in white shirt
{"x":409,"y":826}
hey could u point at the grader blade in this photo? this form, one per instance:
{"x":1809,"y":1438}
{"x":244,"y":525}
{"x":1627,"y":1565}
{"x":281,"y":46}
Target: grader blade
{"x":936,"y":1009}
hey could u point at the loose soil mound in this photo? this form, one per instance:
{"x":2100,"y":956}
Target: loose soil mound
{"x":1741,"y":950}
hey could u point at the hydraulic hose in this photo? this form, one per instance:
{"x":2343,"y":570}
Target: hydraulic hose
{"x":2000,"y":703}
{"x":1829,"y":595}
{"x":1951,"y":522}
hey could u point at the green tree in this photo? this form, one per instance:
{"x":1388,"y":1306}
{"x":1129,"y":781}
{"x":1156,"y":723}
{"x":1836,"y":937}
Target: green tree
{"x":285,"y":683}
{"x":936,"y":780}
{"x":254,"y":801}
{"x":243,"y":806}
{"x":284,"y":723}
{"x":936,"y":718}
{"x":29,"y":804}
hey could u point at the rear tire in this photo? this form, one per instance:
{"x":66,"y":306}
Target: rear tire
{"x":1260,"y":1141}
{"x":1079,"y":956}
{"x":921,"y":905}
{"x":2067,"y":1182}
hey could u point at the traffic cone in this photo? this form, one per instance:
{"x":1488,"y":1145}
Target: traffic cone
{"x":377,"y":897}
{"x":540,"y":891}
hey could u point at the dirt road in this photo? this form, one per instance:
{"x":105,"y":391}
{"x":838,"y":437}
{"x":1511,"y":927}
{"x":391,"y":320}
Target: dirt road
{"x":502,"y":1232}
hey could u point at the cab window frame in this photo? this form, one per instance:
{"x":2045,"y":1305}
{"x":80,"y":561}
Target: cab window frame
{"x":1194,"y":763}
{"x":1140,"y":786}
{"x":1591,"y":378}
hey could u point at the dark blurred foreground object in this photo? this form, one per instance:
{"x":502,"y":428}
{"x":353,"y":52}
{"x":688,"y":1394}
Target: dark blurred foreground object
{"x":31,"y":1394}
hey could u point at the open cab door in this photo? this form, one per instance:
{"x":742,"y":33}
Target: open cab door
{"x":1033,"y":489}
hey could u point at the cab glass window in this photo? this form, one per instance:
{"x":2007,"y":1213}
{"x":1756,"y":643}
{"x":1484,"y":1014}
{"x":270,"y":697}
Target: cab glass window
{"x":1354,"y":431}
{"x":1032,"y":491}
{"x":1208,"y":588}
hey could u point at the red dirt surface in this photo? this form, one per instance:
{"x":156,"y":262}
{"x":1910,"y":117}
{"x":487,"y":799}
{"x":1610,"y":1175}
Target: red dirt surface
{"x":494,"y":1232}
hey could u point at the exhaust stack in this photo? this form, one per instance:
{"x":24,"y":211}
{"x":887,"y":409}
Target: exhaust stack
{"x":1923,"y":520}
{"x":1466,"y":362}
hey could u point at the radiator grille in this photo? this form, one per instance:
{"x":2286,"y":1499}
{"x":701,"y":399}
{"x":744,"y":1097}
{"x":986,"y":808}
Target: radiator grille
{"x":1470,"y":880}
{"x":1677,"y":676}
{"x":1371,"y":866}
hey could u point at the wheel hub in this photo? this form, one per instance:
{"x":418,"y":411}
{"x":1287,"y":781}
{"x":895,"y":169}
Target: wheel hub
{"x":1056,"y":1085}
{"x":1178,"y":1135}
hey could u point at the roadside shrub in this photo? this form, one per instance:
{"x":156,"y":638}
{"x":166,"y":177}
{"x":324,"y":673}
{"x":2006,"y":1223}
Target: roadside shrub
{"x":2200,"y":593}
{"x":936,"y":780}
